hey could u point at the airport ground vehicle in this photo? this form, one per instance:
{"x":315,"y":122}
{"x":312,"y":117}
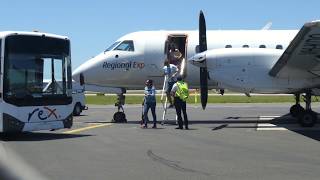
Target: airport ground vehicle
{"x":26,"y":103}
{"x":78,"y":99}
{"x":78,"y":96}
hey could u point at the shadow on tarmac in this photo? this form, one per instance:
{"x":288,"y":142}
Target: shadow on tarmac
{"x":285,"y":121}
{"x":81,"y":115}
{"x":36,"y":136}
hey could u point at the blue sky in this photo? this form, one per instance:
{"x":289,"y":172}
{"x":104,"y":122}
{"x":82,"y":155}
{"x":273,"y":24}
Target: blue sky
{"x":93,"y":25}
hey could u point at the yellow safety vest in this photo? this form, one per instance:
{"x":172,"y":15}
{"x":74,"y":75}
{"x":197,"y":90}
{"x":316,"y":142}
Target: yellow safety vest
{"x":182,"y":90}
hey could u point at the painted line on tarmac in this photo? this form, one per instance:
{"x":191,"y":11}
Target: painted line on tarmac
{"x":92,"y":126}
{"x":281,"y":127}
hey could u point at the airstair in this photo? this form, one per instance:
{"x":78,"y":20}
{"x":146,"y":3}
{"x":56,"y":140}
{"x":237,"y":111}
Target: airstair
{"x":168,"y":114}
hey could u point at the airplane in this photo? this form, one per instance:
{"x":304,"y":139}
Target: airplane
{"x":247,"y":61}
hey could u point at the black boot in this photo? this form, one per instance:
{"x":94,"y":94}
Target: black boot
{"x":154,"y":126}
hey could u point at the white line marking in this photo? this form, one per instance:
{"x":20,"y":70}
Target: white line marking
{"x":281,"y":127}
{"x":265,"y":118}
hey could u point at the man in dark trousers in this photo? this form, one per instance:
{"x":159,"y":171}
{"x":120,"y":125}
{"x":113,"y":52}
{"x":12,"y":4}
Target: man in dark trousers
{"x":180,"y":92}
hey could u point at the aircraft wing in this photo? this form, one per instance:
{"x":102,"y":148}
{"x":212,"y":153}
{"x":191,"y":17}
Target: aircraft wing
{"x":301,"y":59}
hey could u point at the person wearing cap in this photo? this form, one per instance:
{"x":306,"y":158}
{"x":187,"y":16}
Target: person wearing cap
{"x":180,"y":92}
{"x":149,"y":103}
{"x":171,"y":71}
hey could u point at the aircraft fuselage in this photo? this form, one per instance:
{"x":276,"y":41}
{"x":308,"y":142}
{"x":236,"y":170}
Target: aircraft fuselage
{"x":130,"y":68}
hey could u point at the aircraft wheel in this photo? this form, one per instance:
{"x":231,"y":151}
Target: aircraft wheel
{"x":119,"y":117}
{"x":77,"y":109}
{"x":295,"y":110}
{"x":307,"y":118}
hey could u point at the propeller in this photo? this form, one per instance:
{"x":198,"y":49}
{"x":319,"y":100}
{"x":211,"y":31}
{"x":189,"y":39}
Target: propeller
{"x":203,"y":69}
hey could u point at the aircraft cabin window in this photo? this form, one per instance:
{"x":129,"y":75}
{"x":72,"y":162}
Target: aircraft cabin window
{"x":262,"y":46}
{"x":279,"y":46}
{"x":112,"y":46}
{"x":245,"y":46}
{"x":125,"y":46}
{"x":228,"y":46}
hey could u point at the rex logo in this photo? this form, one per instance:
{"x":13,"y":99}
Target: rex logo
{"x":43,"y":113}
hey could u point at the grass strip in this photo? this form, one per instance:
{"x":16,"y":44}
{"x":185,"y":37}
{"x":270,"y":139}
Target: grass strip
{"x":107,"y":100}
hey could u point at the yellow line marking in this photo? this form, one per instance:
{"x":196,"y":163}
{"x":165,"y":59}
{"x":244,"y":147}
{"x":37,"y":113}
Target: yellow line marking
{"x":86,"y":128}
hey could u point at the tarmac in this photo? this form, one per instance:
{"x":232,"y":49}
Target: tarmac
{"x":226,"y":141}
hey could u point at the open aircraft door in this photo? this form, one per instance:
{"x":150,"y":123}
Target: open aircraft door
{"x":180,"y":42}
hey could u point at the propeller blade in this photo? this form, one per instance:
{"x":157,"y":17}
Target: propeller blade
{"x":203,"y":70}
{"x":204,"y":87}
{"x":202,"y":33}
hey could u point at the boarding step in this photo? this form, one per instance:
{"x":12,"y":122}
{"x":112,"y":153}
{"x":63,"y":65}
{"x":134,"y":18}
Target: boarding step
{"x":169,"y":114}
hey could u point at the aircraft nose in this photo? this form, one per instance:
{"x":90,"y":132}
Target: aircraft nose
{"x":84,"y":72}
{"x":76,"y":74}
{"x":198,"y":59}
{"x":99,"y":70}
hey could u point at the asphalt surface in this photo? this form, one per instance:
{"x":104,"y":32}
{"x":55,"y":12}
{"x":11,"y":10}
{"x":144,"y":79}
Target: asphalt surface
{"x":227,"y":141}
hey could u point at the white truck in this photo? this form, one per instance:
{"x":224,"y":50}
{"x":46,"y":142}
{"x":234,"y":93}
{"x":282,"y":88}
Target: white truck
{"x":78,"y":98}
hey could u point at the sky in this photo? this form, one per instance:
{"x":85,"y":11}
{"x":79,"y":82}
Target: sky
{"x":93,"y":25}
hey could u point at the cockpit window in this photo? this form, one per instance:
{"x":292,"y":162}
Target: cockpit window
{"x":125,"y":46}
{"x":112,"y":46}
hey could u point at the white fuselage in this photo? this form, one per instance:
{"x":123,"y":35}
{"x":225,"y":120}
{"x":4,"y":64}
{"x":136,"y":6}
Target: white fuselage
{"x":237,"y":68}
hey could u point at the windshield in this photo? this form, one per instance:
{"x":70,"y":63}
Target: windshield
{"x":125,"y":46}
{"x":112,"y":46}
{"x":29,"y":61}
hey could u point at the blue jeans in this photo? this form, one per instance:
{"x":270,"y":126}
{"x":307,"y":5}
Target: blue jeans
{"x":146,"y":107}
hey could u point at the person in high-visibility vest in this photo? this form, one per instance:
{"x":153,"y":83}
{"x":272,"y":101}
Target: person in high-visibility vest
{"x":180,"y":92}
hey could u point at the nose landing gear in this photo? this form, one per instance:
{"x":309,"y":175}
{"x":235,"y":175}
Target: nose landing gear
{"x":120,"y":116}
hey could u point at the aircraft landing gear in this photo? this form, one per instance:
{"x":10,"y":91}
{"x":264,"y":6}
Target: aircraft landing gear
{"x":120,"y":116}
{"x":307,"y":118}
{"x":296,"y":109}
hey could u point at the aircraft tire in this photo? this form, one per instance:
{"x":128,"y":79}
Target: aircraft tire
{"x":119,"y":117}
{"x":77,"y":109}
{"x":307,"y":118}
{"x":295,"y":110}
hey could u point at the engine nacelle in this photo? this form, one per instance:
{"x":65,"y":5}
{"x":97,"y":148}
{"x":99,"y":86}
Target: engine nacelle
{"x":242,"y":57}
{"x":243,"y":69}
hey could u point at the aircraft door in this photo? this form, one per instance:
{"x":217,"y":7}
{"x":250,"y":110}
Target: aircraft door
{"x":176,"y":51}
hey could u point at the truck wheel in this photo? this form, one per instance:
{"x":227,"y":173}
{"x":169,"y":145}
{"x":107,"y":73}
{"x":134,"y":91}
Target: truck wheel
{"x":77,"y":109}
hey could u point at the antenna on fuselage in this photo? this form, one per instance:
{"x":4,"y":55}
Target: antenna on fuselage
{"x":267,"y":26}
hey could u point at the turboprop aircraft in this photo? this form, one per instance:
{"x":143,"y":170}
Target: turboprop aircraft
{"x":248,"y":61}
